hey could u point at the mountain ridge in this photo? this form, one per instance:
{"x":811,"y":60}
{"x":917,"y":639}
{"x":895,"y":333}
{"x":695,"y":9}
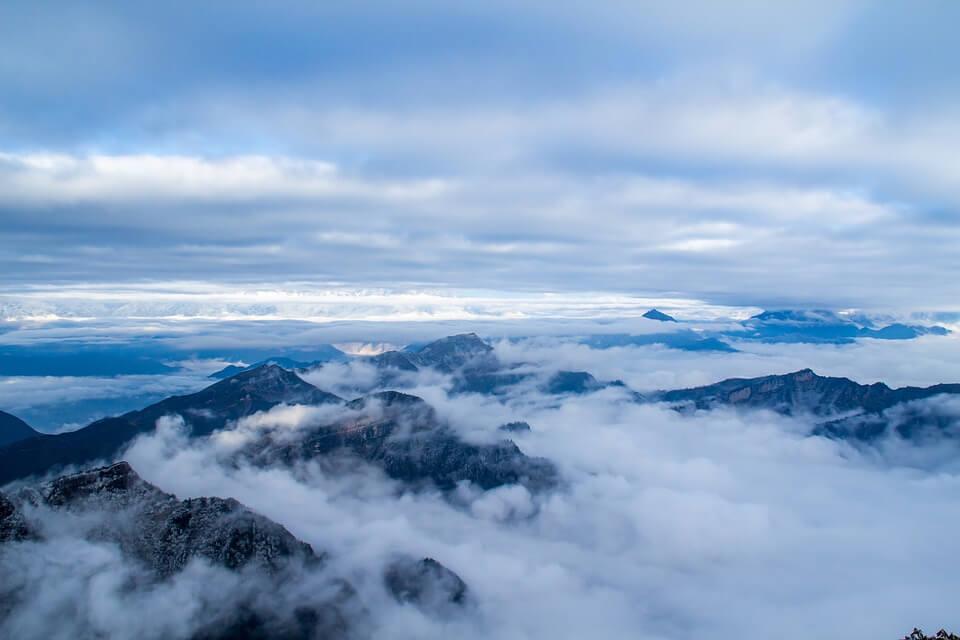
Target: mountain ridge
{"x":13,"y":429}
{"x":209,"y":409}
{"x":842,"y":407}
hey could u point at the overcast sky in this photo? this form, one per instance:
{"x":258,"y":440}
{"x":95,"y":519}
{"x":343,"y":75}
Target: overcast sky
{"x":741,"y":153}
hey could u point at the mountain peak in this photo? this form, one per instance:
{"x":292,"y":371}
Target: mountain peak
{"x":660,"y":316}
{"x":266,"y":371}
{"x":392,"y":360}
{"x":578,"y":382}
{"x":272,"y":382}
{"x":452,"y":352}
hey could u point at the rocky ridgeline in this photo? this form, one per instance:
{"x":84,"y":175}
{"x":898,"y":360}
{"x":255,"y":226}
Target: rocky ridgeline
{"x":163,"y":535}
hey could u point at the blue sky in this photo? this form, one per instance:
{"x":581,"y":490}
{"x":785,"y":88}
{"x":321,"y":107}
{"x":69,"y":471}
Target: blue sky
{"x":746,"y":153}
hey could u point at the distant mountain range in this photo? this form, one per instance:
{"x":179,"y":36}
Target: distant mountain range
{"x":430,"y":451}
{"x":840,"y":407}
{"x":778,"y":326}
{"x":821,"y":325}
{"x":156,"y":356}
{"x":801,"y":392}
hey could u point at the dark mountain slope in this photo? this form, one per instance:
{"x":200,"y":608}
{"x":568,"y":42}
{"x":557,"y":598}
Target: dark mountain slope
{"x":393,"y":360}
{"x":13,"y":526}
{"x":206,"y":411}
{"x":451,"y":353}
{"x":402,"y":435}
{"x":576,"y":382}
{"x":13,"y":429}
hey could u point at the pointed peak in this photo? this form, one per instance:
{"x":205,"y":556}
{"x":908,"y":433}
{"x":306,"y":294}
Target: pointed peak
{"x":271,"y":383}
{"x":656,"y":314}
{"x":452,"y":352}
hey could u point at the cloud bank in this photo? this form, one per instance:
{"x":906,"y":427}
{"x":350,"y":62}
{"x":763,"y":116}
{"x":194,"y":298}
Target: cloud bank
{"x":719,"y":524}
{"x":641,"y":149}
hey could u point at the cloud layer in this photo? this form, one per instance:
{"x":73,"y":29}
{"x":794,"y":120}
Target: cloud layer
{"x":718,"y":524}
{"x":704,"y":153}
{"x":668,"y":526}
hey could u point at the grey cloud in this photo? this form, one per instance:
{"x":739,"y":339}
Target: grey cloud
{"x":679,"y":178}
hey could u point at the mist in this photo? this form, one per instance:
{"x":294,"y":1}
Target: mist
{"x":716,"y":524}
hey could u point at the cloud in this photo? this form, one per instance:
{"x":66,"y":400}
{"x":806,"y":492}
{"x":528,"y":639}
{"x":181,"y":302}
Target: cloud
{"x":59,"y":178}
{"x":268,"y":219}
{"x":706,"y":153}
{"x":925,"y":361}
{"x":718,"y":524}
{"x":110,"y":311}
{"x":57,"y":403}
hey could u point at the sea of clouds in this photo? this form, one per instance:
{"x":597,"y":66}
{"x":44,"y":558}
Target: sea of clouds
{"x":721,"y":524}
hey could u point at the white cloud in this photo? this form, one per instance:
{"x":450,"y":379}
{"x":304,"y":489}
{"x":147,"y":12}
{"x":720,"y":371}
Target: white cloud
{"x":721,"y":524}
{"x":62,"y":178}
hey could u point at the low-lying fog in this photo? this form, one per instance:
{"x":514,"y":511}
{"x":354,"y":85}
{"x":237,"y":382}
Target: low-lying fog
{"x":720,"y":525}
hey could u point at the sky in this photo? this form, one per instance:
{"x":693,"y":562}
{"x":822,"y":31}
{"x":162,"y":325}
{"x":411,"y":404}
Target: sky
{"x":747,"y":154}
{"x":216,"y":178}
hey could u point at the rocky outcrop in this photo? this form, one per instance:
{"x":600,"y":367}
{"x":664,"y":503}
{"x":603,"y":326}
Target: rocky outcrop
{"x":515,"y":427}
{"x":13,"y":526}
{"x":402,"y":435}
{"x":425,"y":583}
{"x":156,"y":531}
{"x":164,"y":533}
